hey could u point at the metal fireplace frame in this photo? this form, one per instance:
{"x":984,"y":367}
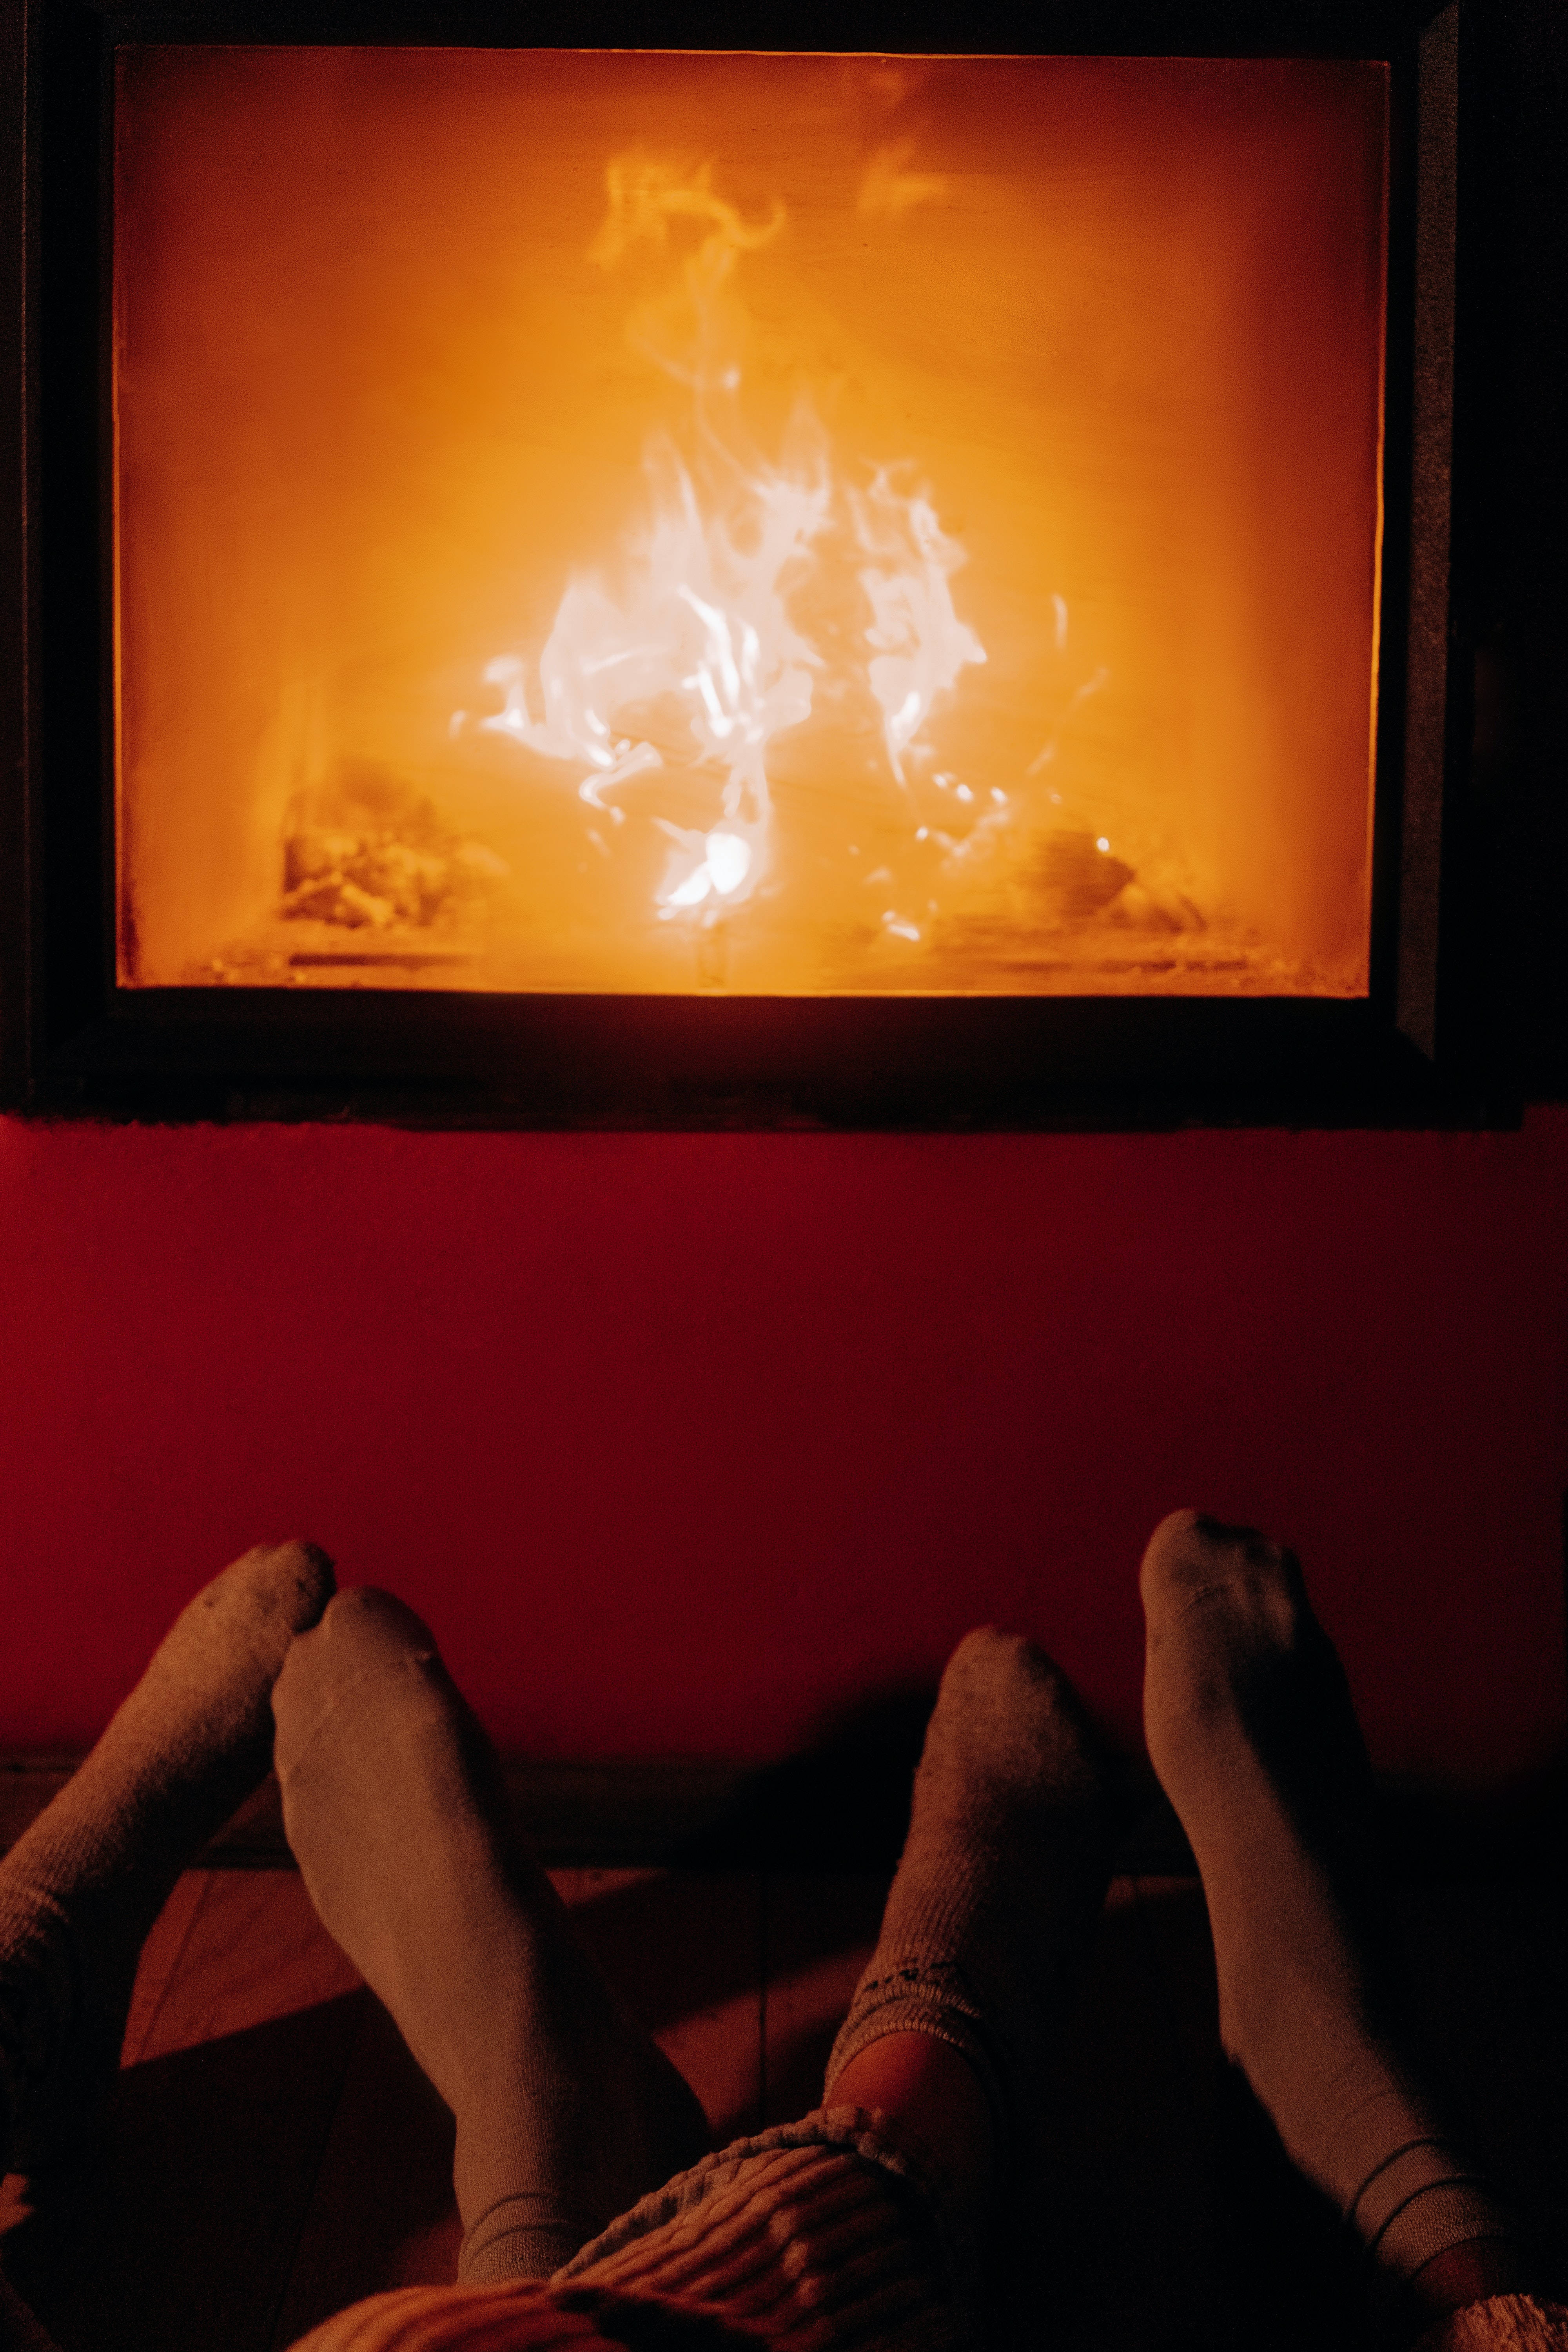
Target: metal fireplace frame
{"x":73,"y":1042}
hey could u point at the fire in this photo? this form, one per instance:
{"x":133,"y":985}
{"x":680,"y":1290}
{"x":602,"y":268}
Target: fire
{"x":682,"y":661}
{"x":921,"y":644}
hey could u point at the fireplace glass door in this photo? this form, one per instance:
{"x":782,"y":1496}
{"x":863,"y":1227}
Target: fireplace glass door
{"x":752,"y":524}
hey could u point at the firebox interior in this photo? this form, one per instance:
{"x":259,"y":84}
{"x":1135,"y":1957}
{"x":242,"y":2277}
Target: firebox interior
{"x":763,"y":523}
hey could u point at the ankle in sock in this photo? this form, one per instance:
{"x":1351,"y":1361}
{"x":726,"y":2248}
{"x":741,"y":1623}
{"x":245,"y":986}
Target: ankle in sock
{"x":1002,"y":1877}
{"x":1252,"y":1732}
{"x":81,"y":1888}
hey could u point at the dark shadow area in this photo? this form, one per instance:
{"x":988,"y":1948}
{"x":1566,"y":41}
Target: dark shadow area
{"x":1488,"y":1964}
{"x":1428,"y":1832}
{"x":673,"y":1947}
{"x":177,"y":2231}
{"x":383,"y":2213}
{"x":1299,"y":2279}
{"x":1517,"y":1832}
{"x":842,"y":1803}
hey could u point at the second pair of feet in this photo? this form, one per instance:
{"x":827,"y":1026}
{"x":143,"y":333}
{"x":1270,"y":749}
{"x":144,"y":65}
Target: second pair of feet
{"x":1251,"y":1730}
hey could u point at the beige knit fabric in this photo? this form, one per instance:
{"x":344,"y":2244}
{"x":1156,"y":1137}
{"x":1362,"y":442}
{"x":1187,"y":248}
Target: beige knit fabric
{"x":1506,"y":2322}
{"x":821,"y":2236}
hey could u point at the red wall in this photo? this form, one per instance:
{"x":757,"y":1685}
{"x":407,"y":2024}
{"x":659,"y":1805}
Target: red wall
{"x":681,"y":1441}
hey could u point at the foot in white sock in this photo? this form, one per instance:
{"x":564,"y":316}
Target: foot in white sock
{"x":566,"y":2112}
{"x":1003,"y":1875}
{"x":1252,"y":1732}
{"x":81,"y":1888}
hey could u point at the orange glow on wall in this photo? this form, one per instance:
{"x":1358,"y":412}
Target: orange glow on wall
{"x":776,"y":524}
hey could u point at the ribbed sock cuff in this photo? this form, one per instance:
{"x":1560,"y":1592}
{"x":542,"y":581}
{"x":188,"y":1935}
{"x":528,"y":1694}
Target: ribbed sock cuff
{"x":524,"y":2236}
{"x":1419,"y":2201}
{"x":933,"y":1997}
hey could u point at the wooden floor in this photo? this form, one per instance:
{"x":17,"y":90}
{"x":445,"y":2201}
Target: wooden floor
{"x":274,"y":2152}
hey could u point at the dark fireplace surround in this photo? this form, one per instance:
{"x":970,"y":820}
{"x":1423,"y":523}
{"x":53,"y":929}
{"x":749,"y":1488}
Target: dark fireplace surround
{"x":1421,"y":1047}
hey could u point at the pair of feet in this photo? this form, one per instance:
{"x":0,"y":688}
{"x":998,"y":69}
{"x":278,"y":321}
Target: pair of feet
{"x":565,"y":2111}
{"x":1251,"y":1730}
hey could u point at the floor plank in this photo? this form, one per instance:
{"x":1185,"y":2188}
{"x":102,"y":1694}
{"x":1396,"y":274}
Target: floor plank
{"x":161,"y":1957}
{"x":251,"y":1949}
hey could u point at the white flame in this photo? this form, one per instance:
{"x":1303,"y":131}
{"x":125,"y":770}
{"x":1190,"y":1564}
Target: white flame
{"x":697,"y":646}
{"x":702,"y":866}
{"x":701,"y":623}
{"x":920,"y":644}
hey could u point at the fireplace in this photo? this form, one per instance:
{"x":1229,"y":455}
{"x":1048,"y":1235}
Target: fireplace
{"x":741,"y":583}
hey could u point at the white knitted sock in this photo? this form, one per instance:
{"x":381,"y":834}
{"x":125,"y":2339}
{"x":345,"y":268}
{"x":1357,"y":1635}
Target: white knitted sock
{"x":392,"y":1799}
{"x":1002,"y":1877}
{"x":1252,"y":1732}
